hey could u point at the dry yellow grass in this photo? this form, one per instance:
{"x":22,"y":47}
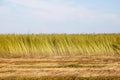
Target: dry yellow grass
{"x":60,"y":66}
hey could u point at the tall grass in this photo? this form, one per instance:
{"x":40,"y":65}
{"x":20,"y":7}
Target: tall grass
{"x":36,"y":45}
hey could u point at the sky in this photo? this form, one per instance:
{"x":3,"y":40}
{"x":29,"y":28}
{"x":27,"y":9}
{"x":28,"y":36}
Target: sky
{"x":59,"y":16}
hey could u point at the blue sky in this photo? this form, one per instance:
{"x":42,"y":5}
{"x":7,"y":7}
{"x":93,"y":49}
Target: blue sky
{"x":59,"y":16}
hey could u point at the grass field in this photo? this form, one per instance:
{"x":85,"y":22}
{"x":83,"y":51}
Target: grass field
{"x":37,"y":45}
{"x":60,"y":57}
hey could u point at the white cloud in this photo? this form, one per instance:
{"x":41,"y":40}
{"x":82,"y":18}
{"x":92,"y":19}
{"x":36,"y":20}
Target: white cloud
{"x":4,"y":9}
{"x":56,"y":10}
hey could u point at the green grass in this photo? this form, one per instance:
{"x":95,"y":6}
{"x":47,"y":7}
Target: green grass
{"x":37,"y":45}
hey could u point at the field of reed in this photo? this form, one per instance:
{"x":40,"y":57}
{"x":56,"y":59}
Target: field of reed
{"x":37,"y":45}
{"x":59,"y":56}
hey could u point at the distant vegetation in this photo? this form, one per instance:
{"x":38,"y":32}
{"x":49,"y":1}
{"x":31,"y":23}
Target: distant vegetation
{"x":36,"y":45}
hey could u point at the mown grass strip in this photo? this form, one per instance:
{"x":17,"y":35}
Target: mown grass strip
{"x":61,"y":78}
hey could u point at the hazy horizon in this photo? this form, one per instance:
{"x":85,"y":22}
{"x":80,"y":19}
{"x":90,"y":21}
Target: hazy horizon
{"x":59,"y":16}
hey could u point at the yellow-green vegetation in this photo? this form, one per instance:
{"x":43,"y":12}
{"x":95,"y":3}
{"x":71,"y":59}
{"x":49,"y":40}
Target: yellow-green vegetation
{"x":36,"y":45}
{"x":60,"y":57}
